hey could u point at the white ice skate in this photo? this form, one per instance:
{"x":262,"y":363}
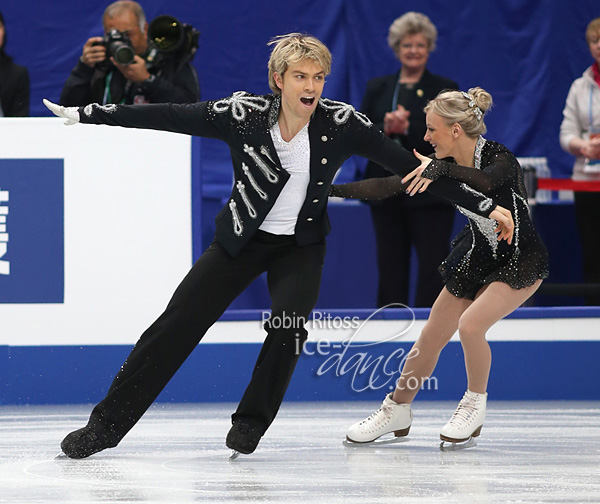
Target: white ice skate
{"x":391,"y":417}
{"x":465,"y":425}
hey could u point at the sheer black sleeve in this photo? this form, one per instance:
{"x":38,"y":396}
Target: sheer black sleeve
{"x":492,"y":176}
{"x":378,"y":148}
{"x":386,"y":187}
{"x":369,"y":189}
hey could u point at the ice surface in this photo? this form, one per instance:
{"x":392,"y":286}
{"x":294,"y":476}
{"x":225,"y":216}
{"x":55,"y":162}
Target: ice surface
{"x":527,"y":452}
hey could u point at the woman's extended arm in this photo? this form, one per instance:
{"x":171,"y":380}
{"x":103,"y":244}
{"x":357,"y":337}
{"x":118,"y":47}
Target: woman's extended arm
{"x":498,"y":172}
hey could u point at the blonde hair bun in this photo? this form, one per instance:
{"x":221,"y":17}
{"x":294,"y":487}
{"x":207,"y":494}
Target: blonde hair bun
{"x":482,"y":98}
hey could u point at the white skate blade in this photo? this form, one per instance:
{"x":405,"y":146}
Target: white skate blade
{"x":61,"y":455}
{"x":448,"y":446}
{"x":234,"y":454}
{"x":377,"y":442}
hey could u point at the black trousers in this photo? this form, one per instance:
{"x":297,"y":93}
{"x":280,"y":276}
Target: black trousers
{"x":215,"y":280}
{"x":398,"y":227}
{"x":587,"y":210}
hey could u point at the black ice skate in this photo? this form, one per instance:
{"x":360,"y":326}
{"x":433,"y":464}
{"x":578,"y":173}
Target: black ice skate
{"x":242,"y":438}
{"x":85,"y":442}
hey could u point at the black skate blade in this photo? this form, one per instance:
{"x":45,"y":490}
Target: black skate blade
{"x":377,"y":442}
{"x":448,"y":446}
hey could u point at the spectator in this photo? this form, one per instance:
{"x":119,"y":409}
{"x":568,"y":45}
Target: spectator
{"x":14,"y":82}
{"x":395,"y":104}
{"x":580,"y":136}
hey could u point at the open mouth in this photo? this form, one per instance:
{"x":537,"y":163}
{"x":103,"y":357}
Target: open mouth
{"x":307,"y":100}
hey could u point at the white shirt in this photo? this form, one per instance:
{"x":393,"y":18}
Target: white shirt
{"x":295,"y":159}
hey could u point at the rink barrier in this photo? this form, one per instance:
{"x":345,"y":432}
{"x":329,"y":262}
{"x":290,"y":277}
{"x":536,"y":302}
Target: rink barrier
{"x":538,"y":354}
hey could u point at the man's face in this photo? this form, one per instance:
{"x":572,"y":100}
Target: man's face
{"x":1,"y":34}
{"x":301,"y":87}
{"x":127,"y":22}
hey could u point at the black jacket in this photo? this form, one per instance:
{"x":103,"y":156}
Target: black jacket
{"x":377,"y":101}
{"x":336,"y":132}
{"x":14,"y":88}
{"x":89,"y":85}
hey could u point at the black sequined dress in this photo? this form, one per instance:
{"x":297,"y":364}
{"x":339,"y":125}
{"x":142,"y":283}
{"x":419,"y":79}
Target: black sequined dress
{"x":477,"y":258}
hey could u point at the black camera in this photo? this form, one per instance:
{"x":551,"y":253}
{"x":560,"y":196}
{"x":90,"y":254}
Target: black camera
{"x":119,"y":46}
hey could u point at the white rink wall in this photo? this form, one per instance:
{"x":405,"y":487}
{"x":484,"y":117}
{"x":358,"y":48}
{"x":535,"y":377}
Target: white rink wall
{"x":127,"y":229}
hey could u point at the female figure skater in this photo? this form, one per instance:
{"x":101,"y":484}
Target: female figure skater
{"x":485,"y":278}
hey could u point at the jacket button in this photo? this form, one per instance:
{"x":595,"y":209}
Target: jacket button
{"x":309,"y":219}
{"x":324,"y":160}
{"x":324,"y":138}
{"x":316,"y":200}
{"x":320,"y":182}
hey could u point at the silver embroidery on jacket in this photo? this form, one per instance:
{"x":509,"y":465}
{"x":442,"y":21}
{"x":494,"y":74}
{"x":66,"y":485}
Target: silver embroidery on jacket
{"x":253,"y":182}
{"x":270,"y":174}
{"x":239,"y":102}
{"x":264,"y":150}
{"x":89,"y":109}
{"x":242,"y":190}
{"x":238,"y":227}
{"x":342,"y":112}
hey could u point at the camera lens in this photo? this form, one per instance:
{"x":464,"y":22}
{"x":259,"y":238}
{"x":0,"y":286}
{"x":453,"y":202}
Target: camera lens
{"x":166,"y":33}
{"x":123,"y":53}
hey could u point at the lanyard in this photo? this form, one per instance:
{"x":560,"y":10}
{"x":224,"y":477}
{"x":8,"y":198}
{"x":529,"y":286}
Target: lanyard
{"x":591,"y":117}
{"x":107,"y":98}
{"x":396,"y":94}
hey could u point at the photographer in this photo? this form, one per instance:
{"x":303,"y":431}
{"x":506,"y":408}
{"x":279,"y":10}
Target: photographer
{"x":98,"y":78}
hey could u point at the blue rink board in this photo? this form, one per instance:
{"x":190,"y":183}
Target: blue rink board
{"x":544,"y":370}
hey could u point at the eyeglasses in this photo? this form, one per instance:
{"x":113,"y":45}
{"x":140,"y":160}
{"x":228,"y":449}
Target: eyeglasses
{"x":408,"y":47}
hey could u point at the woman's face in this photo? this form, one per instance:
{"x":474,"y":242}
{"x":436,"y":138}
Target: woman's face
{"x":594,"y":46}
{"x":413,"y":51}
{"x":439,"y":135}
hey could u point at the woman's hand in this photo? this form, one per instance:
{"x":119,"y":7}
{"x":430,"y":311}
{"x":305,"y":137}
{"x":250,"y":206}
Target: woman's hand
{"x":506,"y":225}
{"x":396,"y":122}
{"x":418,"y":184}
{"x":591,"y":148}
